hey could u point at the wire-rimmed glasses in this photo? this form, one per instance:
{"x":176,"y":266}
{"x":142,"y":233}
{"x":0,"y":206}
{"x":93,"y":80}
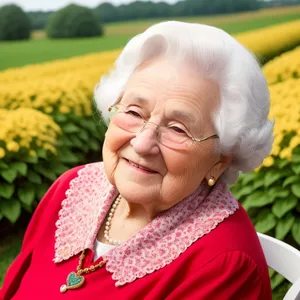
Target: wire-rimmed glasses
{"x":171,"y":136}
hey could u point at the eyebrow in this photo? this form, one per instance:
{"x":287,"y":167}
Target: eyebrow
{"x":182,"y":115}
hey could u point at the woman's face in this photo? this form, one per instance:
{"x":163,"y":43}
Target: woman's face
{"x":169,"y":93}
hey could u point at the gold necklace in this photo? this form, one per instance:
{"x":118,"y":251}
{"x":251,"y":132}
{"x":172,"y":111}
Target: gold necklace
{"x":76,"y":279}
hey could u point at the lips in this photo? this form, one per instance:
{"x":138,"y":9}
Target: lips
{"x":139,"y":166}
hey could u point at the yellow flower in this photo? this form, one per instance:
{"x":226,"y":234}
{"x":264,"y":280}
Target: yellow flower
{"x":32,"y":153}
{"x":12,"y":146}
{"x":64,"y":109}
{"x":2,"y":152}
{"x":268,"y":161}
{"x":48,"y":109}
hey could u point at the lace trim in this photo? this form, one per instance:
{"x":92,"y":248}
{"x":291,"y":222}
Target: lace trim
{"x":87,"y":202}
{"x":156,"y":245}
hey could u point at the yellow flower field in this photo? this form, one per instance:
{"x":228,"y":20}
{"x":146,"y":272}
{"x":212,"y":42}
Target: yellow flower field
{"x":283,"y":67}
{"x":268,"y":42}
{"x":67,"y":86}
{"x":27,"y":128}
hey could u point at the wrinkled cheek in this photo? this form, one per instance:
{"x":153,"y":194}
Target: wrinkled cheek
{"x":116,"y":138}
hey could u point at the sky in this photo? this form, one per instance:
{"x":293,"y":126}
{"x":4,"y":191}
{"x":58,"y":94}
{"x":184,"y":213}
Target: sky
{"x":45,"y":5}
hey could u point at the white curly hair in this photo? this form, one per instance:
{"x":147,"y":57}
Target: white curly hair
{"x":241,"y":120}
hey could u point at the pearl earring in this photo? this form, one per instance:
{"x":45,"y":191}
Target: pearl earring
{"x":211,"y":181}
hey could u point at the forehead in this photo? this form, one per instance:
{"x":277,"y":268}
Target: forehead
{"x":169,"y":84}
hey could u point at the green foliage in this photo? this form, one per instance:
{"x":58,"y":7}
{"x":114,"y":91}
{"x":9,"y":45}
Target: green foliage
{"x":14,"y":23}
{"x":24,"y":182}
{"x":272,"y":200}
{"x":73,"y":21}
{"x":38,"y":19}
{"x":145,"y":10}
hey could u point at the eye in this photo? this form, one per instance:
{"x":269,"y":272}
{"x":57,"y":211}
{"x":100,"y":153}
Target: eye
{"x":133,"y":113}
{"x":177,"y":129}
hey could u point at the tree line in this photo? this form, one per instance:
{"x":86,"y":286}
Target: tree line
{"x":107,"y":12}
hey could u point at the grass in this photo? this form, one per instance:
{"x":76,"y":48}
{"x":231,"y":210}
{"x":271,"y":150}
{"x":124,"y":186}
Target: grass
{"x":14,"y":54}
{"x":41,"y":49}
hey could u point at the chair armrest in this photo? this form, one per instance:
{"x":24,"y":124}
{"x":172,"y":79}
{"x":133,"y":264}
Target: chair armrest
{"x":294,"y":292}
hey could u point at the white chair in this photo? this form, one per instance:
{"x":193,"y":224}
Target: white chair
{"x":285,"y":260}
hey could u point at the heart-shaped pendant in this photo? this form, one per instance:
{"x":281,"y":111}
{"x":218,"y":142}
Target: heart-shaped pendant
{"x":74,"y":281}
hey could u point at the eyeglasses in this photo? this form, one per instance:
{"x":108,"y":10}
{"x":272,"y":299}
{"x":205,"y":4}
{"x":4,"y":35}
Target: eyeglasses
{"x":172,"y":136}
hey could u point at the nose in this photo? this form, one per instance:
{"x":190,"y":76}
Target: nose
{"x":145,"y":142}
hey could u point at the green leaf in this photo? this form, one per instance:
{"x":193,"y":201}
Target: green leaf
{"x":257,"y":199}
{"x":246,"y":178}
{"x":6,"y":190}
{"x":296,"y":169}
{"x":271,"y":177}
{"x":28,"y":208}
{"x":46,"y":172}
{"x":20,"y":167}
{"x":70,"y":128}
{"x":32,"y":159}
{"x":271,"y":272}
{"x":11,"y":210}
{"x":34,"y":177}
{"x":66,"y":156}
{"x":83,"y":135}
{"x":284,"y":226}
{"x":9,"y":175}
{"x":282,"y":206}
{"x":296,"y":158}
{"x":59,"y":168}
{"x":258,"y":183}
{"x":246,"y":190}
{"x":41,"y":191}
{"x":290,"y":180}
{"x":94,"y":144}
{"x":60,"y":118}
{"x":282,"y":163}
{"x":278,"y":192}
{"x":64,"y":141}
{"x":265,"y":221}
{"x":41,"y":152}
{"x":276,"y":280}
{"x":3,"y":165}
{"x":76,"y":141}
{"x":296,"y":189}
{"x":1,"y":216}
{"x":26,"y":194}
{"x":296,"y":231}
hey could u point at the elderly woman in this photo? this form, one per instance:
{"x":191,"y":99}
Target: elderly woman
{"x":187,"y":108}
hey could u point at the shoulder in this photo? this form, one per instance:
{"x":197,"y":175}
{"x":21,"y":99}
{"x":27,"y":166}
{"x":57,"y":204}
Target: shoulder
{"x":227,"y":275}
{"x":234,"y":246}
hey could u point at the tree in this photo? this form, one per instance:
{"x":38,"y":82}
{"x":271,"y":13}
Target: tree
{"x":73,"y":21}
{"x":14,"y":23}
{"x":106,"y":12}
{"x":38,"y":19}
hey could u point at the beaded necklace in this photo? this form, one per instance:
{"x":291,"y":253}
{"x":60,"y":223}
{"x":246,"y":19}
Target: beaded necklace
{"x":76,"y":279}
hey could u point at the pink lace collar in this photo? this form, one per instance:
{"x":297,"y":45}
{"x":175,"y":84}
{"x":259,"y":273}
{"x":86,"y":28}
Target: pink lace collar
{"x":88,"y":200}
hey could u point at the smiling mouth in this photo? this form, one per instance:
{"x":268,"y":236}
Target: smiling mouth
{"x":140,"y":167}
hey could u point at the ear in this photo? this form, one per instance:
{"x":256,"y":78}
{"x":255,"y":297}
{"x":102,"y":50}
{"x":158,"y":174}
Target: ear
{"x":219,"y":167}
